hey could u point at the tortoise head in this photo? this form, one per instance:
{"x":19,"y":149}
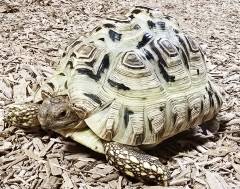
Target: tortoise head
{"x":55,"y":113}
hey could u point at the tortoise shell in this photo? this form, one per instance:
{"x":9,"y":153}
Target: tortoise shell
{"x":137,"y":80}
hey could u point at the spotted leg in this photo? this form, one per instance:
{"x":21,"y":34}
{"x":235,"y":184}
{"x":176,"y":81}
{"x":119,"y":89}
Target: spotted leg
{"x":22,"y":115}
{"x":136,"y":163}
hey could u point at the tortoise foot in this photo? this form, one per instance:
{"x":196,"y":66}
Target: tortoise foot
{"x":136,"y":163}
{"x":212,"y":125}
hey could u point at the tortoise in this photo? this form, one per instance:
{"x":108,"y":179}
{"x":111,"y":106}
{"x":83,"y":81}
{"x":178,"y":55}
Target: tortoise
{"x":126,"y":86}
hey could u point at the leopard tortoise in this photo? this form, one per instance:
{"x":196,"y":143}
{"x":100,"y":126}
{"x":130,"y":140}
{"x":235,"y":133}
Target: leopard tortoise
{"x":129,"y":84}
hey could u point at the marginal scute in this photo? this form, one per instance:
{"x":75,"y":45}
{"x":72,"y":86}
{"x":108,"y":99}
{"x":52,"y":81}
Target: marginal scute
{"x":195,"y":107}
{"x":107,"y":120}
{"x":109,"y":129}
{"x":137,"y":125}
{"x":157,"y":118}
{"x":176,"y":119}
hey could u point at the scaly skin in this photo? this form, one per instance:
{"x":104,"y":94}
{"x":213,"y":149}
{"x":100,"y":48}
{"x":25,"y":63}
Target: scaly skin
{"x":127,"y":159}
{"x":22,"y":115}
{"x":136,"y":163}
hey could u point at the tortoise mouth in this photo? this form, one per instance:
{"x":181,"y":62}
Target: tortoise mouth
{"x":58,"y":126}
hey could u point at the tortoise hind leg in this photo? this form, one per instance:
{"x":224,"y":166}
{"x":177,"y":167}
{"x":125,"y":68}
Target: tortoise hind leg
{"x":22,"y":115}
{"x":136,"y":163}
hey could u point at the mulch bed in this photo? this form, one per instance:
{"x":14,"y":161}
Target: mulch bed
{"x":33,"y":35}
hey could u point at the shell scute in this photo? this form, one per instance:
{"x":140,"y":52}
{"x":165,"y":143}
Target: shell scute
{"x":167,"y":47}
{"x":156,"y":117}
{"x":130,"y":60}
{"x":85,"y":51}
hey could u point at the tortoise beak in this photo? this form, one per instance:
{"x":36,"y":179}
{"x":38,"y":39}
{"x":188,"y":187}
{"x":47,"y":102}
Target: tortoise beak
{"x":44,"y":123}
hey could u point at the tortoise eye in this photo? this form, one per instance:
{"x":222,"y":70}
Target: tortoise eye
{"x":62,"y":114}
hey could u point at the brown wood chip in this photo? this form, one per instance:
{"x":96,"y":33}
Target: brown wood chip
{"x":46,"y":148}
{"x":67,"y":181}
{"x":4,"y":146}
{"x":54,"y":166}
{"x":33,"y":37}
{"x":215,"y":181}
{"x":16,"y":161}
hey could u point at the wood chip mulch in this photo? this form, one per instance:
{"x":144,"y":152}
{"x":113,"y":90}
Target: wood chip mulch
{"x":33,"y":35}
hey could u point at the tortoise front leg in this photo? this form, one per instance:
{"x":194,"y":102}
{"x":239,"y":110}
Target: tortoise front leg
{"x":22,"y":115}
{"x":136,"y":163}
